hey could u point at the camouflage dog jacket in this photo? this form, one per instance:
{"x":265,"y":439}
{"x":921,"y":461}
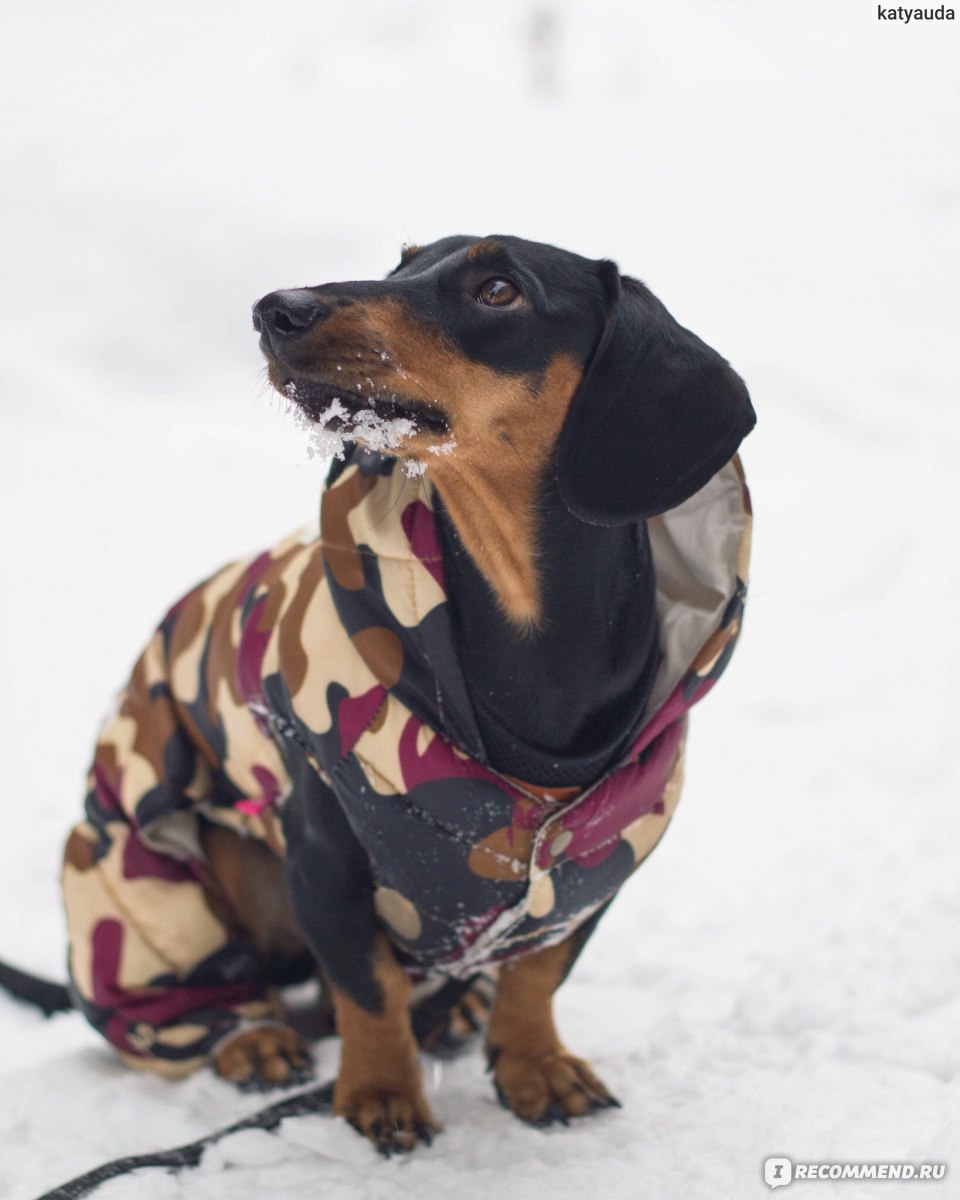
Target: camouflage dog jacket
{"x":338,"y":649}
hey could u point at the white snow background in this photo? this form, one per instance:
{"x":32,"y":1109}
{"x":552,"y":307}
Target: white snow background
{"x":783,"y":977}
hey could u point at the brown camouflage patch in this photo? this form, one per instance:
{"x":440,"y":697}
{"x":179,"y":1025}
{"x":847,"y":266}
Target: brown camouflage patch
{"x":293,"y":621}
{"x":79,"y":852}
{"x":505,"y":853}
{"x":339,"y":549}
{"x":189,"y":627}
{"x":153,"y":714}
{"x":224,"y":634}
{"x":382,"y":651}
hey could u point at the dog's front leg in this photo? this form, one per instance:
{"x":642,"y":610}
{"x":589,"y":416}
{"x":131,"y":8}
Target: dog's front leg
{"x":535,"y":1076}
{"x":379,"y":1088}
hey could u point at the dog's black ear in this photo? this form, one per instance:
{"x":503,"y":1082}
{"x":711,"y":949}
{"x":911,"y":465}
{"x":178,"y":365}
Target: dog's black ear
{"x":656,"y":415}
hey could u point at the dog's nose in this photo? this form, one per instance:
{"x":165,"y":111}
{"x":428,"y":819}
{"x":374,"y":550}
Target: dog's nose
{"x":287,"y":314}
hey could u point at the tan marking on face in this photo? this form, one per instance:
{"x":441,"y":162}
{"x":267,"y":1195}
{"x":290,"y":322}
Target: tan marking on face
{"x":490,"y":482}
{"x":408,"y":252}
{"x":503,"y":427}
{"x":485,"y":248}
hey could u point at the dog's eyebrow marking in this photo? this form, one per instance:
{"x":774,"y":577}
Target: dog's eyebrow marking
{"x":408,"y":251}
{"x":487,"y":248}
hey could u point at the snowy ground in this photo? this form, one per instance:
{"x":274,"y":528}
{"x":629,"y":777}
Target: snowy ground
{"x":783,"y":976}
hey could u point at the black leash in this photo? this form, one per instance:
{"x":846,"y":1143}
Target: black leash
{"x":51,"y":997}
{"x":315,"y":1100}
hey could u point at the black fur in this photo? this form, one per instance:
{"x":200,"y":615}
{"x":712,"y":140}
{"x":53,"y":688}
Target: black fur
{"x":656,"y":416}
{"x":330,"y":884}
{"x":557,"y":704}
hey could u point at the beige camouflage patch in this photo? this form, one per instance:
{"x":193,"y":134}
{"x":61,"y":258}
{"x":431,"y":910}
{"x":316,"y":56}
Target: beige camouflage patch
{"x":382,"y":651}
{"x":398,"y":912}
{"x":378,"y":749}
{"x":409,"y":589}
{"x":330,"y":657}
{"x":168,"y":926}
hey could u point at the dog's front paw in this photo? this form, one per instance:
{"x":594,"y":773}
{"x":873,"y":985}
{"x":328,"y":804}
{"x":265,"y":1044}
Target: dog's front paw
{"x":394,"y":1120}
{"x":266,"y":1057}
{"x":553,"y":1087}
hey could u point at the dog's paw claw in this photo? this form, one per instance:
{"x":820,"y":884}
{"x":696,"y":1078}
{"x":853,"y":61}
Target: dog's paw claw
{"x":394,"y":1123}
{"x":554,"y":1115}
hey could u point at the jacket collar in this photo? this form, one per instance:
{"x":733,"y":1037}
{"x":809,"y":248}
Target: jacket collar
{"x":385,"y":566}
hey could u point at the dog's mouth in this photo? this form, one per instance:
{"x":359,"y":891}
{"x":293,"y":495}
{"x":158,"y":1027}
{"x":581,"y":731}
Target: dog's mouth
{"x":376,"y":418}
{"x":340,"y":407}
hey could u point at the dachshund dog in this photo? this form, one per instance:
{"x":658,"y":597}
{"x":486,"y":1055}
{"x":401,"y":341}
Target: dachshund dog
{"x":423,"y":748}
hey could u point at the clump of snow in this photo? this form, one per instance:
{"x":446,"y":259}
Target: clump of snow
{"x":369,"y":427}
{"x":381,"y":433}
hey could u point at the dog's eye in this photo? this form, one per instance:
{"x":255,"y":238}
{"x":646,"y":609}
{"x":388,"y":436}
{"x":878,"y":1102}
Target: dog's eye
{"x":499,"y":293}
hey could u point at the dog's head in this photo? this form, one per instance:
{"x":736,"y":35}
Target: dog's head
{"x":500,"y":349}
